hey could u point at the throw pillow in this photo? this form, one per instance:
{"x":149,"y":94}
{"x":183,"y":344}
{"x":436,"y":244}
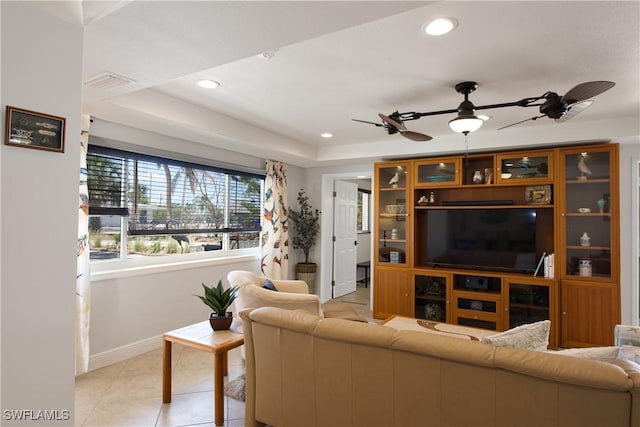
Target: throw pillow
{"x":268,"y":284}
{"x":603,"y":354}
{"x":629,"y":352}
{"x":531,"y":336}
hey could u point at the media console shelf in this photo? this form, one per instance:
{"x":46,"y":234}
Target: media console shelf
{"x":459,"y":240}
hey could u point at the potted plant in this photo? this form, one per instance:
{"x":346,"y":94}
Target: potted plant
{"x":306,"y":224}
{"x":219,"y":299}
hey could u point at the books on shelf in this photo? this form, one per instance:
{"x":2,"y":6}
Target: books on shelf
{"x":547,"y":265}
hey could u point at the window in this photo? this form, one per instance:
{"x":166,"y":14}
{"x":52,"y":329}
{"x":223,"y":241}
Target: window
{"x":364,"y":197}
{"x":145,"y":206}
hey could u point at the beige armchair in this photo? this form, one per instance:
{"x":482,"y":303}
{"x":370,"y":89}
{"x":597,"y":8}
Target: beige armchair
{"x":291,"y":295}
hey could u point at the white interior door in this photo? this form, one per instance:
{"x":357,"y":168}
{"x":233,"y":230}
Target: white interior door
{"x":345,"y":205}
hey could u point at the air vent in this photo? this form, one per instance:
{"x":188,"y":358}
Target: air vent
{"x":108,"y":81}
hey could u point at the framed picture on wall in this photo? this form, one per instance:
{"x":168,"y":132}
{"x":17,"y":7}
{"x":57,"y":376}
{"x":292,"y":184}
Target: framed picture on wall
{"x":31,"y":129}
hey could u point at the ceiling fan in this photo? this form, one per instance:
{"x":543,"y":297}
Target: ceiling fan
{"x":552,"y":105}
{"x":393,"y":124}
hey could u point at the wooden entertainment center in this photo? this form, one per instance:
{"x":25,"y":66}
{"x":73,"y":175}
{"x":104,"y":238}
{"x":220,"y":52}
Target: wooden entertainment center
{"x":459,"y":238}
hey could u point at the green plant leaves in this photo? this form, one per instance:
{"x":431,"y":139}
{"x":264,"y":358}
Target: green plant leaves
{"x":217,"y":298}
{"x":306,"y":223}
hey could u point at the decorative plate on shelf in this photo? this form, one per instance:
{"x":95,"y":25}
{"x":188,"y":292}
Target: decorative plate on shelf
{"x":538,"y":195}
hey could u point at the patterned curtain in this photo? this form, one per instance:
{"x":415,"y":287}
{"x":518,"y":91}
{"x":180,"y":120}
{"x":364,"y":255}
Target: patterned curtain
{"x":275,"y":237}
{"x":82,"y":276}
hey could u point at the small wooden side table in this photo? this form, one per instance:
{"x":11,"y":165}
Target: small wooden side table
{"x":200,"y":336}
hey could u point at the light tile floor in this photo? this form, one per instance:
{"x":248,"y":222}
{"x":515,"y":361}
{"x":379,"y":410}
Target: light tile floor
{"x":129,"y":393}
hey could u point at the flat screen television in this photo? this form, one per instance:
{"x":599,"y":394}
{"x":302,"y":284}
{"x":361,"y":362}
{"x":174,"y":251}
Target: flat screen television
{"x":481,"y":239}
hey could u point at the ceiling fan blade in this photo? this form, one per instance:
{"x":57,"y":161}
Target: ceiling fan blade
{"x":388,"y":120}
{"x":586,"y":90}
{"x":416,"y":136}
{"x":522,"y":121}
{"x":573,"y":110}
{"x":371,"y":123}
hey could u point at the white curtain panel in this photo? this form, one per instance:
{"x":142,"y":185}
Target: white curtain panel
{"x":275,"y":237}
{"x":83,"y":284}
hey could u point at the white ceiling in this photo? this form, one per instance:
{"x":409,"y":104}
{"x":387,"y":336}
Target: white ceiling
{"x":336,"y":60}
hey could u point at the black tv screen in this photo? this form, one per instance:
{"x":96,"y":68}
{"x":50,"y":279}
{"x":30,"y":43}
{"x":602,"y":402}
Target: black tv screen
{"x":484,"y":239}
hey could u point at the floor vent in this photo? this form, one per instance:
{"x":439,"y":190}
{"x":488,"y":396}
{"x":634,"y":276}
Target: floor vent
{"x":108,"y":81}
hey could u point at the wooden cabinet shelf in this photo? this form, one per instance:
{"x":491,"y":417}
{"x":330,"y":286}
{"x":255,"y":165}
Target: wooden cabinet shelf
{"x":587,"y":181}
{"x":430,"y":298}
{"x":469,"y":230}
{"x":589,"y":275}
{"x":529,"y":307}
{"x":392,"y":189}
{"x":590,"y":214}
{"x":480,"y":207}
{"x":589,"y":248}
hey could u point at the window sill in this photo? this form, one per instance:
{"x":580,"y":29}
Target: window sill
{"x":122,"y":269}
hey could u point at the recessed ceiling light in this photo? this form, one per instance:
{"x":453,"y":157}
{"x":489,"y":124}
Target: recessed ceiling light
{"x":440,"y":26}
{"x":268,"y":54}
{"x":326,"y":135}
{"x":208,"y":84}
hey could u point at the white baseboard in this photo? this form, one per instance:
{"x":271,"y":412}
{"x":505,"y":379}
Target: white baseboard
{"x":106,"y":358}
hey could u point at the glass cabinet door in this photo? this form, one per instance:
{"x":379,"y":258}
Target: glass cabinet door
{"x":525,"y":167}
{"x":587,"y":213}
{"x":432,"y":296}
{"x":531,"y":300}
{"x":392,"y":212}
{"x":528,"y":304}
{"x":433,"y":173}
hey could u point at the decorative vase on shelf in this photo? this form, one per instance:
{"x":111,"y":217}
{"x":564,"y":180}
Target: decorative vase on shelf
{"x":583,"y":168}
{"x":601,"y":203}
{"x":585,"y":240}
{"x":477,"y":177}
{"x":585,"y":267}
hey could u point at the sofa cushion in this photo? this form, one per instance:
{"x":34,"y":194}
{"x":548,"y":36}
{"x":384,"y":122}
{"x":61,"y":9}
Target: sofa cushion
{"x":603,"y":354}
{"x":530,"y":336}
{"x":268,"y":284}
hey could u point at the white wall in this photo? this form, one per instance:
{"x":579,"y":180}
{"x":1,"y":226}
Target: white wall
{"x":130,"y":310}
{"x":629,"y":208}
{"x":39,"y":219}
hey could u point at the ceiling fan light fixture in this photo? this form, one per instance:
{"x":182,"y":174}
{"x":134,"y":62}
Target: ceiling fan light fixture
{"x":465,"y":124}
{"x":440,"y":26}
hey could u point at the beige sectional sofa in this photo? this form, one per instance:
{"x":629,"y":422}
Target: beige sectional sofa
{"x":303,"y":370}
